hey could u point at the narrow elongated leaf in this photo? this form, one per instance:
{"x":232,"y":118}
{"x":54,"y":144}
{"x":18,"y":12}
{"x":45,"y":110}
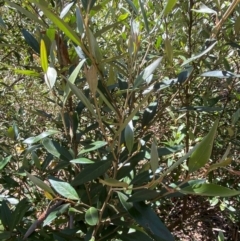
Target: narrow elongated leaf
{"x":154,"y":157}
{"x":79,"y":21}
{"x":56,"y":213}
{"x":169,"y":6}
{"x":147,"y":218}
{"x":27,"y":72}
{"x":40,"y":183}
{"x":55,"y":149}
{"x":83,"y":98}
{"x":43,"y":56}
{"x":221,"y":74}
{"x":19,"y":212}
{"x":199,"y":55}
{"x":82,"y":160}
{"x":144,"y":15}
{"x":72,"y":79}
{"x":31,"y":41}
{"x":91,"y":216}
{"x":129,"y":136}
{"x":204,"y":9}
{"x":4,"y":161}
{"x":149,"y":113}
{"x":91,"y":172}
{"x":5,"y":215}
{"x":113,"y":182}
{"x":143,"y":195}
{"x":136,"y":235}
{"x":66,"y":10}
{"x":59,"y":23}
{"x":32,"y":140}
{"x":93,"y":146}
{"x":209,"y":189}
{"x":130,"y":2}
{"x":146,"y":73}
{"x":64,"y":189}
{"x":202,"y":154}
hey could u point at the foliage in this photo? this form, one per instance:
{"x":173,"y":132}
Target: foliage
{"x":110,"y":114}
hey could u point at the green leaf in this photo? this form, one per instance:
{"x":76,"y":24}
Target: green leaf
{"x":221,"y":74}
{"x":32,"y":140}
{"x":4,"y":161}
{"x":130,"y":2}
{"x":169,"y":6}
{"x":64,"y":189}
{"x":91,"y":216}
{"x":147,"y":218}
{"x":5,"y":215}
{"x":113,"y":182}
{"x":204,"y":9}
{"x":146,"y":73}
{"x":82,"y":160}
{"x":143,"y":195}
{"x":55,"y":149}
{"x":91,"y":172}
{"x":82,"y":97}
{"x":93,"y":146}
{"x":19,"y":212}
{"x":123,"y":16}
{"x":31,"y":41}
{"x":199,"y":55}
{"x":43,"y":56}
{"x":59,"y":23}
{"x":202,"y":154}
{"x":209,"y":189}
{"x":27,"y":72}
{"x":154,"y":157}
{"x":56,"y":213}
{"x":144,"y":15}
{"x":79,"y":21}
{"x":72,"y":79}
{"x":149,"y":113}
{"x":129,"y":136}
{"x":40,"y":183}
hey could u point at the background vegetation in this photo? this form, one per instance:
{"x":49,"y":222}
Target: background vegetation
{"x":119,"y":120}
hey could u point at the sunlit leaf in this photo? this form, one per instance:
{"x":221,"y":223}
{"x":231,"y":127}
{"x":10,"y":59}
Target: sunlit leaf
{"x":204,"y":9}
{"x":43,"y":56}
{"x":4,"y":161}
{"x":50,"y":77}
{"x":32,"y":140}
{"x":199,"y":55}
{"x":129,"y":136}
{"x":202,"y":154}
{"x":64,"y":189}
{"x":82,"y":160}
{"x":93,"y":146}
{"x":66,"y":10}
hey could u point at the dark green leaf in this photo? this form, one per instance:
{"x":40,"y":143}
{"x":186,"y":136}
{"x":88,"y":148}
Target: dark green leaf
{"x":202,"y":154}
{"x":54,"y":214}
{"x":31,"y":41}
{"x":6,"y":215}
{"x":55,"y":149}
{"x":19,"y":212}
{"x":149,"y":113}
{"x":91,"y":172}
{"x":82,"y":160}
{"x":40,"y":183}
{"x":4,"y":162}
{"x":93,"y":146}
{"x":143,"y":195}
{"x":144,"y":15}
